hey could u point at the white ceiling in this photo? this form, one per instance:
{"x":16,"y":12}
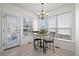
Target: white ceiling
{"x":35,"y":7}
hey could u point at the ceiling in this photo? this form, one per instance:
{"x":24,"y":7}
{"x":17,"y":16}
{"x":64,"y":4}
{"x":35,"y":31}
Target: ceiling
{"x":35,"y":7}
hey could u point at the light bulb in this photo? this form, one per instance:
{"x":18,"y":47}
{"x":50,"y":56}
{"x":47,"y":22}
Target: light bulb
{"x":38,"y":13}
{"x":44,"y":12}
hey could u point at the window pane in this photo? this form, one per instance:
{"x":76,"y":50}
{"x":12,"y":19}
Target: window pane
{"x":51,"y":22}
{"x":64,"y":20}
{"x":27,"y":22}
{"x":27,"y":25}
{"x":43,"y":23}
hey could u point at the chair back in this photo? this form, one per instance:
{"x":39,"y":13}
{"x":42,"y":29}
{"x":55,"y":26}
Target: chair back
{"x":52,"y":35}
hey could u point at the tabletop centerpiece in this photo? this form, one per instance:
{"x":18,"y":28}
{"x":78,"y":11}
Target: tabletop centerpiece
{"x":42,"y":31}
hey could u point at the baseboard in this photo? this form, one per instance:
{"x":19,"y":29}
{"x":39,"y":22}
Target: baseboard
{"x":11,"y":47}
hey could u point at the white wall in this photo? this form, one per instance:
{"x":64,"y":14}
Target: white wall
{"x":67,"y":44}
{"x":77,"y":28}
{"x":17,"y":11}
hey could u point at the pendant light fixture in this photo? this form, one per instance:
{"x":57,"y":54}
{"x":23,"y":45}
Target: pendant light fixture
{"x":43,"y":14}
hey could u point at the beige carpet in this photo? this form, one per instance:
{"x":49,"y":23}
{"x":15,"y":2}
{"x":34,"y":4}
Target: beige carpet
{"x":27,"y":50}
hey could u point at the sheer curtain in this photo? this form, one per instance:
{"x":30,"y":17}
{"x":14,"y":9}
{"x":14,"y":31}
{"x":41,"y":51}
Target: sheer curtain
{"x":64,"y":25}
{"x":61,"y":24}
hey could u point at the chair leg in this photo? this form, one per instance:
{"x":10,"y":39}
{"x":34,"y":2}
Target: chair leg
{"x":47,"y":45}
{"x":53,"y":48}
{"x":34,"y":45}
{"x":40,"y":43}
{"x":50,"y":45}
{"x":45,"y":48}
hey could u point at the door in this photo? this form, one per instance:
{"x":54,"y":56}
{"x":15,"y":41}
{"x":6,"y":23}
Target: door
{"x":10,"y":28}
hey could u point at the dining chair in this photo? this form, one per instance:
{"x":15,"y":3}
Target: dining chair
{"x":36,"y":39}
{"x":49,"y":39}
